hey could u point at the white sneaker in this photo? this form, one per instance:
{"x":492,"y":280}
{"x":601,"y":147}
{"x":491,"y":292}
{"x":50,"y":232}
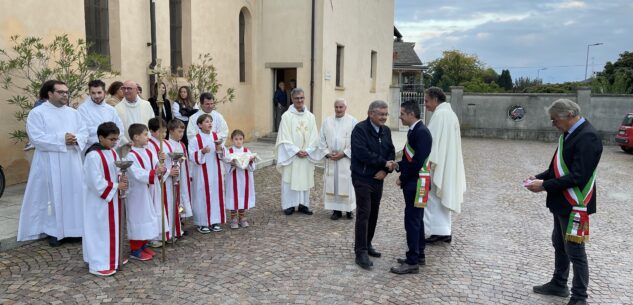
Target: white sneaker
{"x":216,"y":227}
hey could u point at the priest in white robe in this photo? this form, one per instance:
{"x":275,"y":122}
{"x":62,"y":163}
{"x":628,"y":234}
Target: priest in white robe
{"x":297,"y":150}
{"x":132,"y":109}
{"x":94,"y":111}
{"x":53,"y":199}
{"x":447,"y":168}
{"x":207,"y":105}
{"x":336,"y":131}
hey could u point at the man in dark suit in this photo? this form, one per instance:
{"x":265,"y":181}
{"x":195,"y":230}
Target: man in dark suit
{"x":413,"y":169}
{"x":373,"y":157}
{"x":571,"y":193}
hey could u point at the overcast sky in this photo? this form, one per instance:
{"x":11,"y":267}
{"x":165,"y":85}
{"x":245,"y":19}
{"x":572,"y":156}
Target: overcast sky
{"x":521,"y":35}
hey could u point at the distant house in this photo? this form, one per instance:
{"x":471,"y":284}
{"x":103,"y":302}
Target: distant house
{"x":407,"y":66}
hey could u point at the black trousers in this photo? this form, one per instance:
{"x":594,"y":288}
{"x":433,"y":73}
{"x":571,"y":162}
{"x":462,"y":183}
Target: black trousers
{"x":414,"y":226}
{"x":368,"y":197}
{"x":566,"y":252}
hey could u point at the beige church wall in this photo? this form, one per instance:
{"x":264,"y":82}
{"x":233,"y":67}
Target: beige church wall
{"x":368,"y":26}
{"x":20,"y":18}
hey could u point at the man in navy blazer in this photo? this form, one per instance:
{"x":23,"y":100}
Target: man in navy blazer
{"x":414,"y":157}
{"x":570,"y":171}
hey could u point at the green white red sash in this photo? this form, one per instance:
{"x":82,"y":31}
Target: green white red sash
{"x":424,"y":180}
{"x":578,"y":225}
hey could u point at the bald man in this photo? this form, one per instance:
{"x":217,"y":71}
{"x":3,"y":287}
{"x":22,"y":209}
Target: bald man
{"x":132,"y":109}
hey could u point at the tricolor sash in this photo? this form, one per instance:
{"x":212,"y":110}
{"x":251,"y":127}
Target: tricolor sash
{"x":578,"y":225}
{"x":424,"y":180}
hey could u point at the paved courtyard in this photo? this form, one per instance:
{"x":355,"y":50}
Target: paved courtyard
{"x":501,"y":248}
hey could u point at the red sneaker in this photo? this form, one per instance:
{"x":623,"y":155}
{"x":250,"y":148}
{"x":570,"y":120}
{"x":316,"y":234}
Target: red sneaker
{"x":140,"y":255}
{"x":103,"y":272}
{"x":149,"y":251}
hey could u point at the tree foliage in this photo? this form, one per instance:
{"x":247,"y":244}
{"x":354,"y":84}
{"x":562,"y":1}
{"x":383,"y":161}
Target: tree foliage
{"x":454,"y":68}
{"x":30,"y":62}
{"x":616,"y":77}
{"x":505,"y":80}
{"x":200,"y":77}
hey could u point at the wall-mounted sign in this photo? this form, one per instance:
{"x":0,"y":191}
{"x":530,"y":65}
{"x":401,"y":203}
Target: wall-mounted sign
{"x":516,"y":113}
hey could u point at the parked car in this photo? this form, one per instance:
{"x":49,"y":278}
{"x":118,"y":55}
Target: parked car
{"x":624,"y":138}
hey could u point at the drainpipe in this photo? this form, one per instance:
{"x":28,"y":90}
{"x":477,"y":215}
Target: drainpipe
{"x":312,"y":56}
{"x":152,"y":65}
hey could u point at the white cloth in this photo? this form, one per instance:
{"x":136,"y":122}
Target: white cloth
{"x":447,"y":163}
{"x":338,"y":192}
{"x":437,"y":218}
{"x":154,"y":146}
{"x":173,"y":214}
{"x":53,"y":199}
{"x":143,"y":194}
{"x":218,"y":126}
{"x":185,"y":177}
{"x":100,"y":243}
{"x":240,"y":183}
{"x":94,"y":115}
{"x":297,"y":131}
{"x":175,"y":110}
{"x":139,"y":112}
{"x":207,"y":191}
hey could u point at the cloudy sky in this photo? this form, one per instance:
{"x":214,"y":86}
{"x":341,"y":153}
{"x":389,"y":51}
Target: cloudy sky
{"x":529,"y":37}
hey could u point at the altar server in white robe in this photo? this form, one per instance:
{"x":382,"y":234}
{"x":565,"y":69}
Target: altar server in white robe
{"x":180,"y":173}
{"x":206,"y":152}
{"x":240,"y":183}
{"x":53,"y":199}
{"x":132,"y":109}
{"x":207,"y":105}
{"x":144,"y":177}
{"x":336,"y":131}
{"x":95,"y":111}
{"x":297,"y":150}
{"x":447,"y":168}
{"x":102,"y":203}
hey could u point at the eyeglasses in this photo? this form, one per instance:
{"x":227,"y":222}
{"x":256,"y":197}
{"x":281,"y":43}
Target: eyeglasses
{"x":378,"y":113}
{"x":60,"y":92}
{"x":128,"y":88}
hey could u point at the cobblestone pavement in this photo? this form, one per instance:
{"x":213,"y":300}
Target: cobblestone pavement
{"x":501,"y":248}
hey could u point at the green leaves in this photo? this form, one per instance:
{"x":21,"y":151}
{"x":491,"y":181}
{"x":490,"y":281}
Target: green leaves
{"x":30,"y":62}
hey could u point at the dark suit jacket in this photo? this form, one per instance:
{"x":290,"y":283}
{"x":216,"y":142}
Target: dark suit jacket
{"x":581,"y":152}
{"x":370,"y":151}
{"x":420,"y":140}
{"x":167,"y":114}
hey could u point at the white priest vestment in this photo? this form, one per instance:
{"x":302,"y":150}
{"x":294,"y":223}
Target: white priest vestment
{"x":53,"y":199}
{"x":218,"y":126}
{"x":182,"y":194}
{"x":94,"y":115}
{"x":447,"y":171}
{"x":102,"y":218}
{"x":240,"y":183}
{"x":139,"y":112}
{"x":142,"y":220}
{"x":207,"y":188}
{"x":338,"y":192}
{"x":297,"y":131}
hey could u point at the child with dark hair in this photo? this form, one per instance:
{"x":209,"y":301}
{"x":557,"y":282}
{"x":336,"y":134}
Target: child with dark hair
{"x":240,"y":184}
{"x":102,"y":208}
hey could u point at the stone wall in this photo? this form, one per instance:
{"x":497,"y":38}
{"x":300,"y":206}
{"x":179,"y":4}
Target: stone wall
{"x":487,"y":115}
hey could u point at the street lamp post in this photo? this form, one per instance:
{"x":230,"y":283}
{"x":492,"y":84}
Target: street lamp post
{"x":538,"y":72}
{"x":587,"y":60}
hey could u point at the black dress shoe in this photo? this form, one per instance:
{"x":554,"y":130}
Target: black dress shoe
{"x":373,"y":253}
{"x":349,"y":215}
{"x":305,"y":210}
{"x":363,"y":261}
{"x":405,"y":269}
{"x":289,"y":211}
{"x":577,"y":302}
{"x":54,"y":242}
{"x":336,"y":215}
{"x":551,"y":289}
{"x":185,"y":232}
{"x":421,"y":261}
{"x":436,"y":238}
